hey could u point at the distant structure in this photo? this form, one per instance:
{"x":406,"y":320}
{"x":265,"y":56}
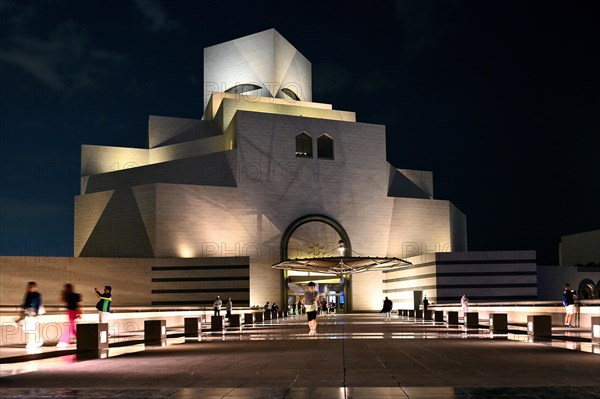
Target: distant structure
{"x":579,"y":265}
{"x":580,"y":249}
{"x":581,"y":252}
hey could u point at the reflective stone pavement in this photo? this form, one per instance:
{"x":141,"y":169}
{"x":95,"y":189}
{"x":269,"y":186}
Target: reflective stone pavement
{"x":353,"y":356}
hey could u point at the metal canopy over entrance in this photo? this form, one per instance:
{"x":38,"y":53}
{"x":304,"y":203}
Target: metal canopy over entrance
{"x":324,"y":255}
{"x":341,"y":266}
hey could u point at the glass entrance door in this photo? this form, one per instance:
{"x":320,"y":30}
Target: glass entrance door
{"x":331,"y":289}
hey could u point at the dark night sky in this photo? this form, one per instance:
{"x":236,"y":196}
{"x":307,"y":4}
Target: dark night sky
{"x":501,"y":100}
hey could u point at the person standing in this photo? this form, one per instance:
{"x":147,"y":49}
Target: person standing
{"x":464,"y":302}
{"x":323,"y":306}
{"x":387,"y":308}
{"x":217,"y":306}
{"x":569,"y":296}
{"x":30,"y":309}
{"x":104,"y":302}
{"x":332,"y":307}
{"x":229,"y":306}
{"x":425,"y":304}
{"x":311,"y":301}
{"x":72,"y":300}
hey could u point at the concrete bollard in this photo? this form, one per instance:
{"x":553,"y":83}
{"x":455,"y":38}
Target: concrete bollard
{"x":452,"y":317}
{"x":191,"y":326}
{"x":92,"y":336}
{"x":258,"y":317}
{"x":274,"y":315}
{"x":595,"y":330}
{"x":418,"y":313}
{"x":438,"y":316}
{"x":234,"y":320}
{"x":155,"y":331}
{"x":216,"y":323}
{"x":427,"y":315}
{"x":267,"y":316}
{"x":472,"y":319}
{"x":539,"y":325}
{"x":411,"y":313}
{"x":248,"y":318}
{"x":498,"y":322}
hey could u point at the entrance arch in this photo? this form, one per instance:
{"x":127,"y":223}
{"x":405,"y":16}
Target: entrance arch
{"x":287,"y":234}
{"x":284,"y":251}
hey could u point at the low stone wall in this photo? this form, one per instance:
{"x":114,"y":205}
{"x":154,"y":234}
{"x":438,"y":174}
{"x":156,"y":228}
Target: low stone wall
{"x":135,"y":281}
{"x":518,"y":314}
{"x":122,"y":325}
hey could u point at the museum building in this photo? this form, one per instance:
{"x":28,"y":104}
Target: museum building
{"x":213,"y":205}
{"x":268,"y":175}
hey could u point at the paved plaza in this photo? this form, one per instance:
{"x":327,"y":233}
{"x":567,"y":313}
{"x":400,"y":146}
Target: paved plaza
{"x":353,"y":356}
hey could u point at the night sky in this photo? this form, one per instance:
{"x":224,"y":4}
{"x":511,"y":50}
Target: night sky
{"x":500,"y":99}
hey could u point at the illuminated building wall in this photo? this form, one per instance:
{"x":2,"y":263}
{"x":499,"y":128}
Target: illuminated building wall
{"x":483,"y":276}
{"x":260,"y":65}
{"x":580,"y":249}
{"x":135,"y":281}
{"x":230,"y":184}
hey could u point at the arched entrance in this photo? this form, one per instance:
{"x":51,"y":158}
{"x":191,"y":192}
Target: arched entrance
{"x":315,"y":236}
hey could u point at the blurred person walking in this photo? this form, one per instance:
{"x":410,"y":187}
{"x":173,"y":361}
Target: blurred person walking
{"x":73,"y":302}
{"x":387,"y":308}
{"x":32,"y":307}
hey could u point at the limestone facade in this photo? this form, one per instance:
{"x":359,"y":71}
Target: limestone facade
{"x":229,"y":185}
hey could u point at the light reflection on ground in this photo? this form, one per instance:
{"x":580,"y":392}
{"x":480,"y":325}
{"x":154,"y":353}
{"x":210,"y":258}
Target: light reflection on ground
{"x":294,"y":328}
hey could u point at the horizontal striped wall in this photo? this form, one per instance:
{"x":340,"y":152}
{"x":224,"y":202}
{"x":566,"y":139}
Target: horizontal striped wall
{"x":482,"y":276}
{"x":134,"y":281}
{"x":199,"y":285}
{"x":420,"y":276}
{"x":486,"y":276}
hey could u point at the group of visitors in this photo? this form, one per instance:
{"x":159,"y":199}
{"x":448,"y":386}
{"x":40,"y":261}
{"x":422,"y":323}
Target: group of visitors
{"x":568,"y":299}
{"x":326,"y":308}
{"x":296,"y":308}
{"x":322,"y":308}
{"x":33,"y":306}
{"x":274,"y":308}
{"x":218,"y":304}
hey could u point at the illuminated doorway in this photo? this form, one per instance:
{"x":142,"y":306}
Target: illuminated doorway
{"x":315,"y":236}
{"x":331,"y":289}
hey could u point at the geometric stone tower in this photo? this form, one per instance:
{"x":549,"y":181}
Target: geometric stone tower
{"x":262,"y":65}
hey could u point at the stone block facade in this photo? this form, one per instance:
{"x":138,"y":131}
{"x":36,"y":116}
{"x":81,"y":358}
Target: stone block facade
{"x":231,"y":184}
